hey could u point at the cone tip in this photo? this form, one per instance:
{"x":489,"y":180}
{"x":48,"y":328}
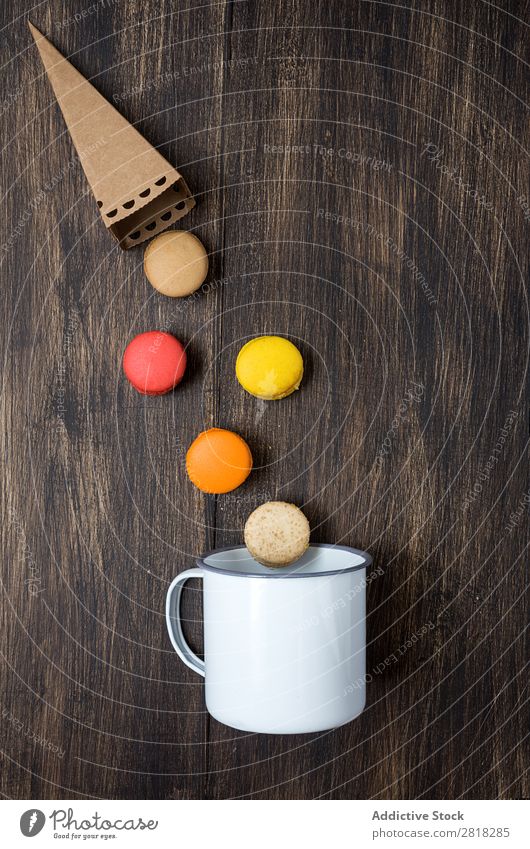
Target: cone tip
{"x":34,"y":31}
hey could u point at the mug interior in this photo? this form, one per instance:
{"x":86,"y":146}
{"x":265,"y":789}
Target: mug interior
{"x":318,"y":560}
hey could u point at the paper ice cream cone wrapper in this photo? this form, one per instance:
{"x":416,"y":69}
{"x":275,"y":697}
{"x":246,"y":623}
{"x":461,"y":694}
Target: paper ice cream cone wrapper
{"x":137,"y":191}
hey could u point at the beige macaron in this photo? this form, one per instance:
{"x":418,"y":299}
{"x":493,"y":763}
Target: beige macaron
{"x":277,"y":533}
{"x":176,"y":263}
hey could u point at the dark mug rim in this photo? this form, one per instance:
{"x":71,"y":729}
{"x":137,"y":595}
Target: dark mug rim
{"x":279,"y":574}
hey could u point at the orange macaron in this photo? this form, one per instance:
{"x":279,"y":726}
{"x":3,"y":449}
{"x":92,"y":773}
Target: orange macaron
{"x":218,"y":461}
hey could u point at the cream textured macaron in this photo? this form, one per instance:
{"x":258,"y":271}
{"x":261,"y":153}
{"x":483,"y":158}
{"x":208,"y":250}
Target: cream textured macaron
{"x":277,"y":533}
{"x":176,"y":263}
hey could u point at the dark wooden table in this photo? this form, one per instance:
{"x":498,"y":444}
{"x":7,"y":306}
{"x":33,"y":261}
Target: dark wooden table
{"x":359,"y":170}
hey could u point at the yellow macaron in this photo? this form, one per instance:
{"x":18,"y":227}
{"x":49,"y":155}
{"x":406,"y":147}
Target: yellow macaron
{"x":269,"y":367}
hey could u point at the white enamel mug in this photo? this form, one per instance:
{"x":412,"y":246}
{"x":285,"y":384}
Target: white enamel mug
{"x":284,"y":649}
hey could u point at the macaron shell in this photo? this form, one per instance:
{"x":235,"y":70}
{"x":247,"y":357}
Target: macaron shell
{"x":176,"y":263}
{"x":154,"y":362}
{"x":218,"y":461}
{"x":269,"y":367}
{"x":277,"y":534}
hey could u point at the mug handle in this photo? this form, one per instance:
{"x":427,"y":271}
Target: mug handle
{"x":174,"y":622}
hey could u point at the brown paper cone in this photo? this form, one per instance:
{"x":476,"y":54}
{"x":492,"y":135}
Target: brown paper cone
{"x":138,"y":192}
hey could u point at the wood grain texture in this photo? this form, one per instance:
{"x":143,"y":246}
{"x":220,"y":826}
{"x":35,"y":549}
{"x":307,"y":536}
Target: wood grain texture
{"x":361,"y":179}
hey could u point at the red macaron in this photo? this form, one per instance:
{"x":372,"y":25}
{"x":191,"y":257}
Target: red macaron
{"x":154,"y":362}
